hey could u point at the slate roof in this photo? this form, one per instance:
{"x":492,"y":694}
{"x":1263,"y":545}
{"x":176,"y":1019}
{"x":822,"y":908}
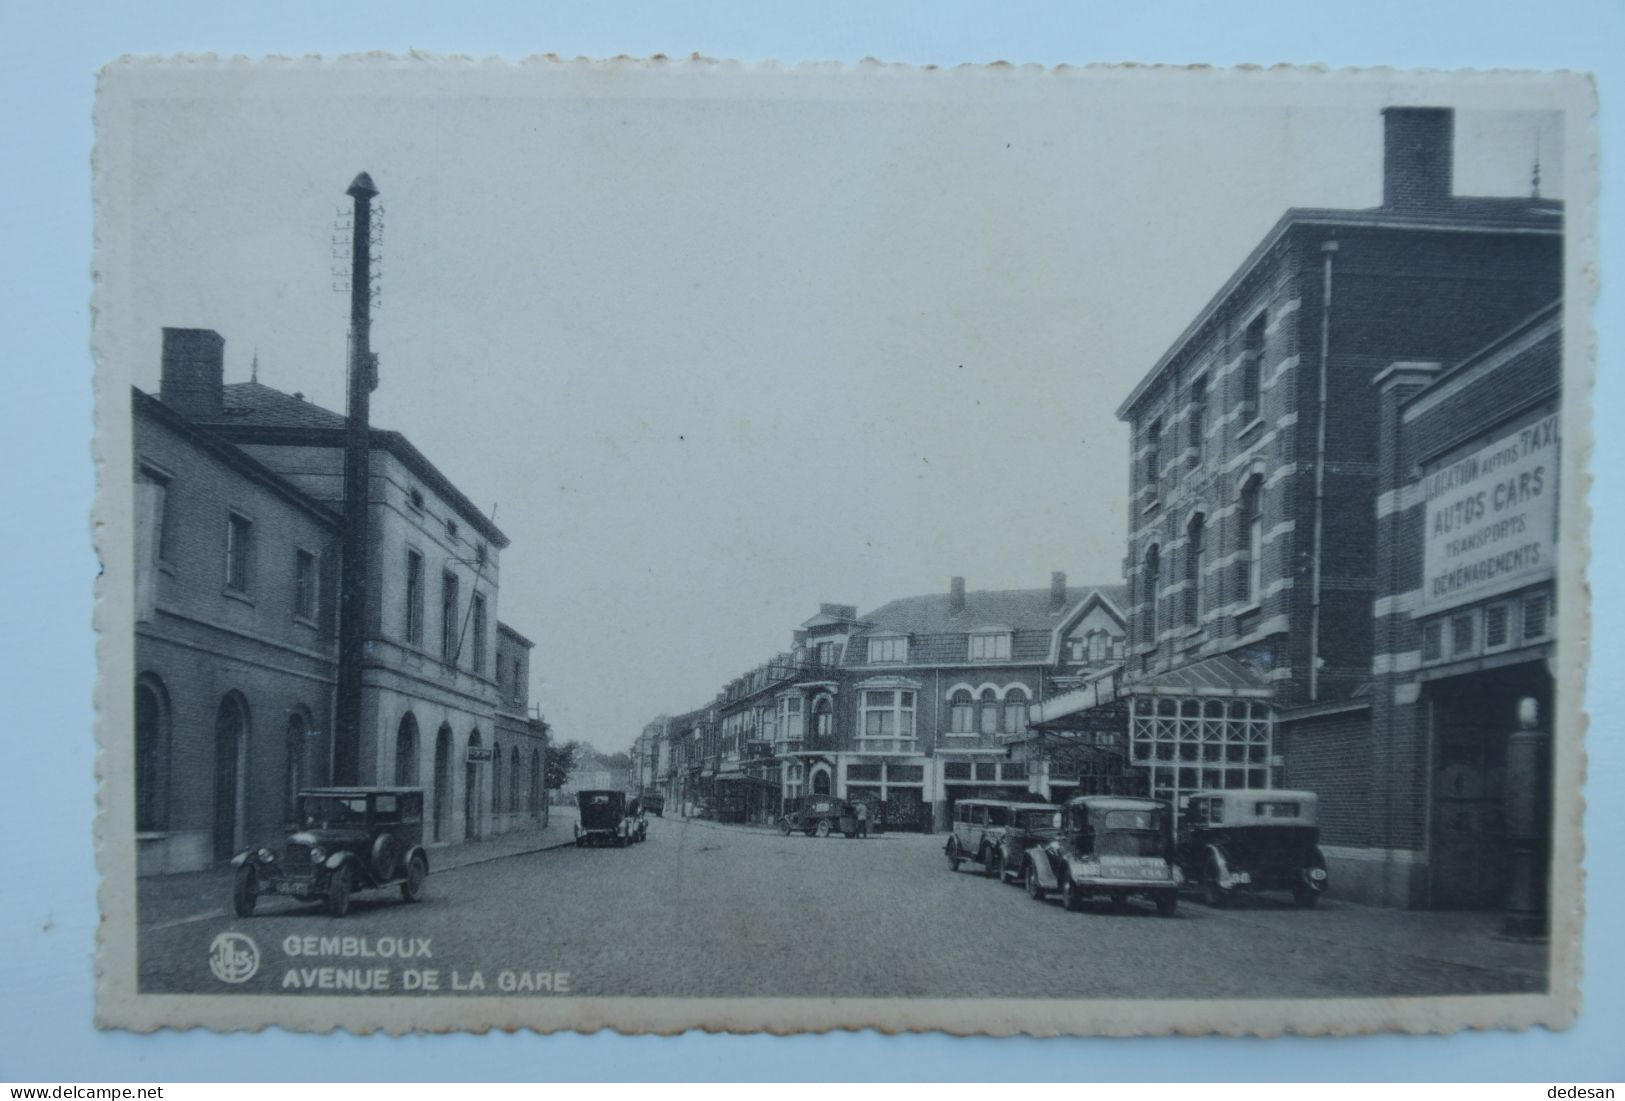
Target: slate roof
{"x":937,"y":633}
{"x":257,"y":404}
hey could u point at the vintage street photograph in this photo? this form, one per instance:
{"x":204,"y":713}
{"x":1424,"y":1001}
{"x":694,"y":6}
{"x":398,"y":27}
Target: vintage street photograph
{"x":665,"y":544}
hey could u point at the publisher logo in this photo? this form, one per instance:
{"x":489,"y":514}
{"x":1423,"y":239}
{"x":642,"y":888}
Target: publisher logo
{"x":234,"y":957}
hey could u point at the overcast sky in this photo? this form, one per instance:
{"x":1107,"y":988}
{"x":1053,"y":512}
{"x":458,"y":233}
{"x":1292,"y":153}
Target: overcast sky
{"x":719,"y":345}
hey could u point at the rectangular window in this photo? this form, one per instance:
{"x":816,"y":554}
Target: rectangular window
{"x":1252,"y":367}
{"x":826,"y":654}
{"x":1153,"y":455}
{"x":990,"y":647}
{"x":888,"y":649}
{"x":1198,"y":418}
{"x":479,"y":632}
{"x":239,"y":551}
{"x":304,"y":584}
{"x":1015,"y":713}
{"x":414,"y":598}
{"x":1433,"y":641}
{"x":153,"y":496}
{"x":518,"y":682}
{"x":956,"y":770}
{"x":449,"y":626}
{"x":888,"y":714}
{"x":1497,"y":626}
{"x":1537,"y":612}
{"x":905,"y":774}
{"x":987,"y":771}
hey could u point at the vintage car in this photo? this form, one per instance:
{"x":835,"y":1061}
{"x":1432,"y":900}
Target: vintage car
{"x":1107,"y":846}
{"x":980,"y":827}
{"x":654,"y":803}
{"x":821,"y":815}
{"x":1032,"y":825}
{"x":1232,"y":842}
{"x":604,"y":819}
{"x":349,"y":839}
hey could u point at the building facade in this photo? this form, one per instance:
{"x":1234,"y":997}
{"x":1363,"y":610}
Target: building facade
{"x":1256,"y":480}
{"x":235,"y":645}
{"x":908,"y":708}
{"x":432,"y":677}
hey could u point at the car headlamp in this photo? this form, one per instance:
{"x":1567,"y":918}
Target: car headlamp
{"x":1317,"y":873}
{"x":265,"y":856}
{"x":317,"y":856}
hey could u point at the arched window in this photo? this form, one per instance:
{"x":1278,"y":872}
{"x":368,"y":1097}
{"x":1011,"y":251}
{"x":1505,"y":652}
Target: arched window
{"x":406,"y":751}
{"x":1194,"y":532}
{"x":471,"y":789}
{"x":962,"y":712}
{"x":297,"y":776}
{"x":442,"y":782}
{"x":1015,"y":709}
{"x":513,"y":779}
{"x":151,"y":755}
{"x":989,"y":701}
{"x":496,"y":778}
{"x":230,"y":749}
{"x":1250,"y":571}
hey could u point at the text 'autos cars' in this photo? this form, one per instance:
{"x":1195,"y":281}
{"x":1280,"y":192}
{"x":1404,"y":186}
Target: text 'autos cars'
{"x":1111,"y":847}
{"x":350,"y":839}
{"x":1236,"y":841}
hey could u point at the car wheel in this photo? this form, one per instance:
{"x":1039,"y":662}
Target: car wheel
{"x":1071,"y":899}
{"x":1167,"y":903}
{"x":953,"y":855}
{"x":1305,"y":897}
{"x":823,"y":827}
{"x":1035,"y":889}
{"x":245,"y":890}
{"x":417,"y":878}
{"x":784,"y":827}
{"x":338,"y":891}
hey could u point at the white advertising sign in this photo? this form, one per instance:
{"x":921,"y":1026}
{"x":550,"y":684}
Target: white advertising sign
{"x":1492,"y":519}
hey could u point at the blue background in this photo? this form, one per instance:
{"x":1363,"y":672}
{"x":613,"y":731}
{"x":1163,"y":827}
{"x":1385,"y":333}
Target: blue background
{"x":47,"y":922}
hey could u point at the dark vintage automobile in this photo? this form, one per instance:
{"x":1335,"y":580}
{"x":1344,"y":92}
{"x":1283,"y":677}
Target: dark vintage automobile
{"x":604,"y":819}
{"x":1032,"y":825}
{"x":1231,"y":842}
{"x":1107,"y":846}
{"x":349,"y":839}
{"x":654,"y":803}
{"x":982,"y":828}
{"x":821,"y":815}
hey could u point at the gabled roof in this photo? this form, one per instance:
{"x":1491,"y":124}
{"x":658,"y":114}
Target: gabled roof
{"x":1006,"y":609}
{"x":256,"y":403}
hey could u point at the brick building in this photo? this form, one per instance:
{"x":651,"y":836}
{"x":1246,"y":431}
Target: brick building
{"x":1465,"y":611}
{"x":908,"y":707}
{"x":1255,"y":476}
{"x":431,"y":698}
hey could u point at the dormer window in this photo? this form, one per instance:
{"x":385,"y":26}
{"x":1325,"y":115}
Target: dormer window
{"x":893,"y":648}
{"x":990,"y":646}
{"x":1099,"y":646}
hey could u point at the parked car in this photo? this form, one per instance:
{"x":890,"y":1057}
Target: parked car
{"x":654,"y":803}
{"x":979,"y":829}
{"x":349,"y":839}
{"x":1107,"y":846}
{"x":1238,"y":841}
{"x":603,"y":819}
{"x":821,"y":815}
{"x":1031,"y":825}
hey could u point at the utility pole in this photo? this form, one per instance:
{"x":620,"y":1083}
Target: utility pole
{"x":357,"y":462}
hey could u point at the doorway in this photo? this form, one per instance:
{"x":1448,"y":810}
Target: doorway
{"x":471,"y":792}
{"x":442,"y":782}
{"x":230,"y":744}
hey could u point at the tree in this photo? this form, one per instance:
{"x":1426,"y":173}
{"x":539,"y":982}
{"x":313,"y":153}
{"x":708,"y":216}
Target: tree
{"x":618,"y":762}
{"x":561,"y":761}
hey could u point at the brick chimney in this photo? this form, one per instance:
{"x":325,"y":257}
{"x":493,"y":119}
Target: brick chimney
{"x":1057,"y":591}
{"x":193,"y":377}
{"x":1418,"y":157}
{"x":956,"y":595}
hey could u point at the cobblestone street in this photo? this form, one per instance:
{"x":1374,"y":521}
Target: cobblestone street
{"x":709,"y":910}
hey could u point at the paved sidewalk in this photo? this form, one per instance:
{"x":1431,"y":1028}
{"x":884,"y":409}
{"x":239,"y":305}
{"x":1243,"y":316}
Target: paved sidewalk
{"x":190,"y":896}
{"x":771,"y":827}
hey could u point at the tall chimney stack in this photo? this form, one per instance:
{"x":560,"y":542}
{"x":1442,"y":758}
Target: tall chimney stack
{"x":1418,"y":157}
{"x":956,"y":595}
{"x":1057,"y":591}
{"x":193,"y":378}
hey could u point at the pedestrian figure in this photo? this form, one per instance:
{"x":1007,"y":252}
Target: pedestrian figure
{"x":863,"y":819}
